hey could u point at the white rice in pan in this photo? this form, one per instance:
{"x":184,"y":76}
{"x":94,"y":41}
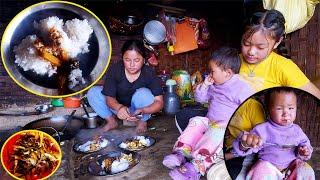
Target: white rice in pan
{"x":27,"y":58}
{"x":75,"y":35}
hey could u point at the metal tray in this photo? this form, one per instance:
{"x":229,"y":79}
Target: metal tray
{"x":152,"y":142}
{"x":76,"y":146}
{"x":94,"y":167}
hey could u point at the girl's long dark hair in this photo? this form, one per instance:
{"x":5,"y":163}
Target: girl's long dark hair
{"x":272,"y":23}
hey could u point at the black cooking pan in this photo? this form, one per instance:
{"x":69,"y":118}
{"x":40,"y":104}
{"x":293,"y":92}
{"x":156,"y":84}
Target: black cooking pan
{"x":58,"y":126}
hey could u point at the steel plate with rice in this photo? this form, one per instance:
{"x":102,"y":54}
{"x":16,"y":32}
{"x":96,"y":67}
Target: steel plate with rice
{"x":113,"y":163}
{"x":91,"y":145}
{"x":137,"y":143}
{"x":56,"y":49}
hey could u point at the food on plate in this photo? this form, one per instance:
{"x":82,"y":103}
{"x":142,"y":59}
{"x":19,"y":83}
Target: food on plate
{"x":114,"y":165}
{"x":58,"y":44}
{"x":93,"y":145}
{"x":32,"y":155}
{"x":136,"y":143}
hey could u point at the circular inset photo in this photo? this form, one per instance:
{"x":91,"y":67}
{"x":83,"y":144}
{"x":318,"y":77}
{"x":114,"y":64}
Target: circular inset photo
{"x":274,"y":135}
{"x":31,"y":154}
{"x":56,"y":49}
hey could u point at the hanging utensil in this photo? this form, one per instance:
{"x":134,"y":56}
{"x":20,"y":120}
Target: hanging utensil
{"x":154,"y":32}
{"x":150,"y":48}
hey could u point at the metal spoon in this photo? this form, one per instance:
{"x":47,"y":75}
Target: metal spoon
{"x":68,"y":119}
{"x":85,"y":109}
{"x":284,"y":146}
{"x":138,"y":116}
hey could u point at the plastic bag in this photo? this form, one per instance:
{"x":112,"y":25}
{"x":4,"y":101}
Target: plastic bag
{"x":296,"y":12}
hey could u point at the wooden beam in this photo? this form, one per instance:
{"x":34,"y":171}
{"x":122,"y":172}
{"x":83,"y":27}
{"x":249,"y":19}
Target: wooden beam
{"x":169,"y":8}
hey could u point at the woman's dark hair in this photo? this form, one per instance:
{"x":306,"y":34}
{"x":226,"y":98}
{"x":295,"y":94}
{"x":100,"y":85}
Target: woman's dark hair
{"x":271,"y":22}
{"x":135,"y":45}
{"x":227,"y":58}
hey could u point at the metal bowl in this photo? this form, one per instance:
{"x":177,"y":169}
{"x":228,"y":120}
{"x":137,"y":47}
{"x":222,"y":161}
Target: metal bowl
{"x":44,"y":108}
{"x":93,"y":121}
{"x":132,"y":20}
{"x":93,"y":64}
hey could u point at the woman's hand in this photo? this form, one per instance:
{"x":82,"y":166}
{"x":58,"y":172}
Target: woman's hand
{"x":250,"y":141}
{"x":123,"y":113}
{"x":135,"y":116}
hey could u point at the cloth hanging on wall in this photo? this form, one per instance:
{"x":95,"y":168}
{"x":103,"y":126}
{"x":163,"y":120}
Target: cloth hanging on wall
{"x":296,"y":12}
{"x":185,"y":37}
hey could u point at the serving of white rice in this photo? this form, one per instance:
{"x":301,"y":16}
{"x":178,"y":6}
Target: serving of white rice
{"x":75,"y":35}
{"x":75,"y":77}
{"x":27,"y":58}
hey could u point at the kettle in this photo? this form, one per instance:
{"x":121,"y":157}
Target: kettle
{"x":171,"y":99}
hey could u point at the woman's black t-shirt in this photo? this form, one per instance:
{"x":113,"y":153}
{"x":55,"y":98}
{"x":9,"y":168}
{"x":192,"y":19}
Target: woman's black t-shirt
{"x":117,"y":85}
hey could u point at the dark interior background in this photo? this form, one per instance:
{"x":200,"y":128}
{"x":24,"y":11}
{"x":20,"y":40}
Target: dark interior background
{"x":225,"y":19}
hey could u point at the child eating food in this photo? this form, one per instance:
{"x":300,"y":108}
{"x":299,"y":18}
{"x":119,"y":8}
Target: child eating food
{"x":202,"y":140}
{"x":281,"y":145}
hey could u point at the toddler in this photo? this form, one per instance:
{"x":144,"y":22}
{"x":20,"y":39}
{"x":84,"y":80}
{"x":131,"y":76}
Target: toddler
{"x":202,"y":140}
{"x":281,"y":145}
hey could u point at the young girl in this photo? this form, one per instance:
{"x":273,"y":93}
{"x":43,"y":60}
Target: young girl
{"x":282,"y":146}
{"x":263,"y":67}
{"x":203,"y":137}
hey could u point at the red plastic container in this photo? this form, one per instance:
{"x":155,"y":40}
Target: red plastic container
{"x":71,"y":102}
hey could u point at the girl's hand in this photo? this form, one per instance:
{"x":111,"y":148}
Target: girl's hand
{"x":208,"y":80}
{"x":250,"y":141}
{"x":123,"y":113}
{"x":303,"y":151}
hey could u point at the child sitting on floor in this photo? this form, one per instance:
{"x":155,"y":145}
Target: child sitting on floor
{"x":282,"y":146}
{"x":202,"y":140}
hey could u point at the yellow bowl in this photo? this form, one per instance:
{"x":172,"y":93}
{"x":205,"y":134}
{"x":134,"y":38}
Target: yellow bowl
{"x":7,"y":151}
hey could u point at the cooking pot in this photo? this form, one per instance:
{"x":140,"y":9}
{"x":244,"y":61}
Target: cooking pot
{"x":93,"y":121}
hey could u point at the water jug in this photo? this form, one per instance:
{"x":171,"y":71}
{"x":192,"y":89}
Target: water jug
{"x":171,"y":99}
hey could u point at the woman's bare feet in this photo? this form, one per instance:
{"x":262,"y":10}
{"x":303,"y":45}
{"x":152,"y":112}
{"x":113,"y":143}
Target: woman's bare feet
{"x":141,"y":126}
{"x":111,"y":124}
